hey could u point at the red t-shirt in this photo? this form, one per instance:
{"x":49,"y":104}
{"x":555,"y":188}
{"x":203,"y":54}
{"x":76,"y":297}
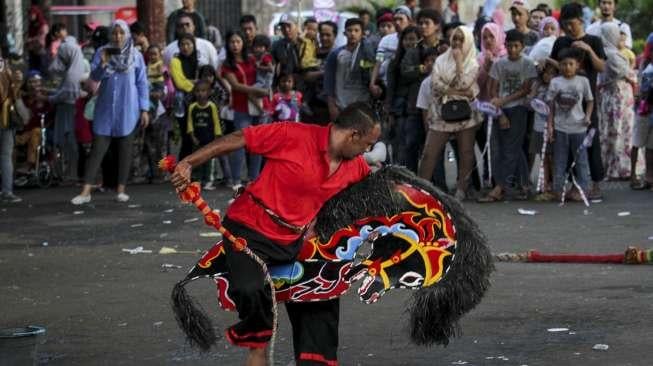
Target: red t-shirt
{"x":266,"y":59}
{"x":245,"y":74}
{"x":295,"y":180}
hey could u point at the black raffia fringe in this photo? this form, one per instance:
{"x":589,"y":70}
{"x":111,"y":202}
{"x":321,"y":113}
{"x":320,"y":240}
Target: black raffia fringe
{"x":434,"y":311}
{"x":192,"y":319}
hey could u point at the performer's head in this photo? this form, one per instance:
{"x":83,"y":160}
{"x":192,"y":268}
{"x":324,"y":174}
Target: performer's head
{"x":355,"y":131}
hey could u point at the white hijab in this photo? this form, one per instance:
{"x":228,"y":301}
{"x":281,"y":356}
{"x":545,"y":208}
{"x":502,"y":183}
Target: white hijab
{"x":445,"y":64}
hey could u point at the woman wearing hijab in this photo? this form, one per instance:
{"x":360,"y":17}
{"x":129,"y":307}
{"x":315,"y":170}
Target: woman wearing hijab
{"x":493,"y":47}
{"x":454,"y":78}
{"x":70,"y":67}
{"x":549,"y":31}
{"x":184,"y":68}
{"x":122,"y":98}
{"x":616,"y":101}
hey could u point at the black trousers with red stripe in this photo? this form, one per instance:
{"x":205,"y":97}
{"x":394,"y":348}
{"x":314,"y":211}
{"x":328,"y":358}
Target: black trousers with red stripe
{"x":314,"y":324}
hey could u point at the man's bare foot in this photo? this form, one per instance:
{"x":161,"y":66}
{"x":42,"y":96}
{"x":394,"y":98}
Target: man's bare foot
{"x":256,"y":357}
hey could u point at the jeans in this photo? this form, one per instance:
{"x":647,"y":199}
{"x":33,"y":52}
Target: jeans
{"x":6,"y":163}
{"x":236,"y":158}
{"x":511,"y":166}
{"x":563,"y":145}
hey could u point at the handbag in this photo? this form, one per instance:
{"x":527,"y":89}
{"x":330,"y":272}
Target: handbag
{"x":456,"y":111}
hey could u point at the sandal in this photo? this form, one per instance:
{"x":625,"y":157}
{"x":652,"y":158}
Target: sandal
{"x":489,"y":198}
{"x":639,"y":185}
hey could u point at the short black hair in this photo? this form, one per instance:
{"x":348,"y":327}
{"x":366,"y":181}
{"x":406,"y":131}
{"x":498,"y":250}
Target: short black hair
{"x":262,"y":40}
{"x":285,"y":75}
{"x":571,"y":52}
{"x":571,"y":11}
{"x":449,"y":26}
{"x":353,"y":21}
{"x":364,"y":12}
{"x":137,"y":28}
{"x":432,"y":14}
{"x":359,"y":116}
{"x":309,"y":20}
{"x":154,"y":46}
{"x":545,"y":8}
{"x":206,"y":70}
{"x":429,"y":52}
{"x":57,"y":27}
{"x":247,"y":18}
{"x":514,"y":35}
{"x":328,"y":23}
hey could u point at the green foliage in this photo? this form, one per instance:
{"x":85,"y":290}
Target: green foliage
{"x":638,"y":14}
{"x":373,"y":6}
{"x":638,"y":45}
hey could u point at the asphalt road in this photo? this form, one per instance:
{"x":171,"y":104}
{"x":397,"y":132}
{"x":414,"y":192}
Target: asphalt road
{"x":62,"y":267}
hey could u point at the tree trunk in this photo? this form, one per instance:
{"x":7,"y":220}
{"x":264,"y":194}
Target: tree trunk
{"x":151,"y":13}
{"x":431,"y":4}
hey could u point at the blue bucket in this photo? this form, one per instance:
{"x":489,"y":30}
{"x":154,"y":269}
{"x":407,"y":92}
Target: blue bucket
{"x":18,"y":345}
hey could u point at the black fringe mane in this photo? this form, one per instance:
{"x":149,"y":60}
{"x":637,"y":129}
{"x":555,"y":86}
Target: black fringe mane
{"x":434,"y":311}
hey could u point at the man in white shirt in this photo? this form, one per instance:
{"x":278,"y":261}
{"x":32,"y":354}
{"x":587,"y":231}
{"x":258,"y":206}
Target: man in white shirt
{"x":608,"y":8}
{"x":206,"y":52}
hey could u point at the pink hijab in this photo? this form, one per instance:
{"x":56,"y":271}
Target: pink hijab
{"x":549,"y":20}
{"x":499,"y":43}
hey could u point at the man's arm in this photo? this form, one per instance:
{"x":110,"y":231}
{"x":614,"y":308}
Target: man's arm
{"x":221,"y":146}
{"x":597,"y":62}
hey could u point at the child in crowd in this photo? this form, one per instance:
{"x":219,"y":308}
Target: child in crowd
{"x":219,"y":94}
{"x":425,"y":94}
{"x":155,"y":67}
{"x":540,"y":90}
{"x":38,"y":107}
{"x":511,"y":78}
{"x":425,"y":102}
{"x":285,"y":104}
{"x":643,"y":129}
{"x":264,"y":65}
{"x":568,"y":121}
{"x":627,"y":52}
{"x":220,"y":97}
{"x":203,"y":126}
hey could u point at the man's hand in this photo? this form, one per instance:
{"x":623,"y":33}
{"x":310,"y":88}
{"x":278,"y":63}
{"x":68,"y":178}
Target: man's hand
{"x":180,"y":178}
{"x":497,"y":102}
{"x":145,"y":119}
{"x":375,"y":90}
{"x":582,"y":45}
{"x":105,"y":57}
{"x":587,"y":121}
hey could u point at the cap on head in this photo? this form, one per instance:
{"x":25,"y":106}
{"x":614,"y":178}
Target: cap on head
{"x":287,"y":19}
{"x":403,"y":10}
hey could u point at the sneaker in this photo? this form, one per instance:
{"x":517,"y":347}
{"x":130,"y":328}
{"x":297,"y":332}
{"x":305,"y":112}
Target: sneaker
{"x":122,"y":197}
{"x":209,"y":186}
{"x":80,"y":200}
{"x":11,"y":198}
{"x":236,"y":187}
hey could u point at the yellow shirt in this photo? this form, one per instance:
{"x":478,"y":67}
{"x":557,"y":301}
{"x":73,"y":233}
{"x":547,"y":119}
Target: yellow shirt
{"x":177,"y":73}
{"x":629,"y":55}
{"x":155,"y":72}
{"x":198,"y":115}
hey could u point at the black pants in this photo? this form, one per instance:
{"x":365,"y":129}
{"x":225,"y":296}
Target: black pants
{"x":98,"y":151}
{"x":314,"y":324}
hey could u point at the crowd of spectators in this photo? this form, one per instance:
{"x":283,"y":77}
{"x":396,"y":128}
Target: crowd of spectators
{"x":560,"y":96}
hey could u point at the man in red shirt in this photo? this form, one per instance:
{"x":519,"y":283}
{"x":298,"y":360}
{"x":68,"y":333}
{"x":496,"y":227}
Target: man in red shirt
{"x":305,"y":166}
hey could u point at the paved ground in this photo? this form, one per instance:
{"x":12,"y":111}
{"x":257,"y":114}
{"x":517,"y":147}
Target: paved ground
{"x":62,"y":268}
